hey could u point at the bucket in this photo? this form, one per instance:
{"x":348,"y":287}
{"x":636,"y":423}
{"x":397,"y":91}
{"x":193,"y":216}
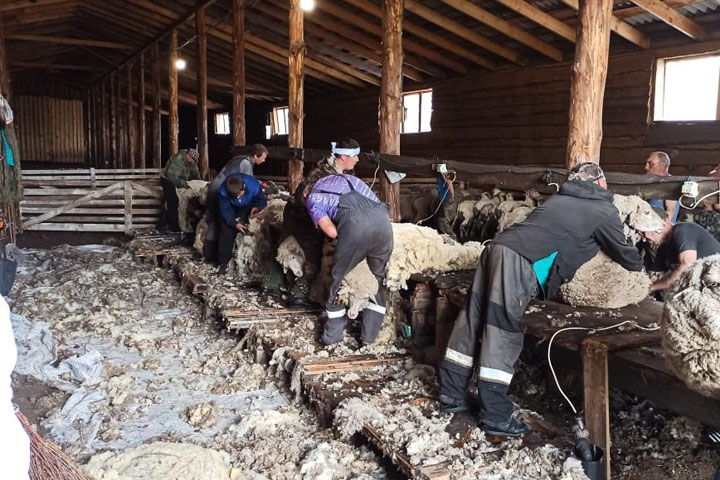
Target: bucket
{"x":595,"y":468}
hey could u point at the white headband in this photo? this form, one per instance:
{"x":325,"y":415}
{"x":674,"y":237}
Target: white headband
{"x":344,"y":151}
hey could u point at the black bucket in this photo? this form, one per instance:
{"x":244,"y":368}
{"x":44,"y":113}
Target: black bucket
{"x":595,"y":468}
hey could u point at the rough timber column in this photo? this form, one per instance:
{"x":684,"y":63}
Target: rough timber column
{"x":295,"y":91}
{"x":114,"y":113}
{"x":4,"y":72}
{"x":238,"y":115}
{"x":587,"y":90}
{"x":130,"y":118}
{"x":390,"y":97}
{"x":202,"y":116}
{"x":141,"y":112}
{"x":156,"y":128}
{"x":173,"y":121}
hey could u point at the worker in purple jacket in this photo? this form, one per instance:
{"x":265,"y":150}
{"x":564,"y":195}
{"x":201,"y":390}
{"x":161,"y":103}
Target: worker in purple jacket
{"x":344,"y":207}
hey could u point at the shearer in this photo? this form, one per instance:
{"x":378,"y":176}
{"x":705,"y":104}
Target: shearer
{"x":239,"y":199}
{"x":530,"y":258}
{"x":179,"y":169}
{"x":298,"y":224}
{"x":345,"y":208}
{"x":677,"y":247}
{"x":238,"y":164}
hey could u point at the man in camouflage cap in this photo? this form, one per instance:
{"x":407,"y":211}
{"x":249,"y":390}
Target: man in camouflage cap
{"x":179,"y":169}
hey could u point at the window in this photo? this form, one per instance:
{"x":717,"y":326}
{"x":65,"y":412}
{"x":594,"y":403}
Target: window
{"x":222,"y":124}
{"x":686,"y":89}
{"x":281,"y":120}
{"x":417,"y":107}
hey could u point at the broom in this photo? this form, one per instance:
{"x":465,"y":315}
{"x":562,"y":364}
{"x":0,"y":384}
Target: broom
{"x":47,"y":461}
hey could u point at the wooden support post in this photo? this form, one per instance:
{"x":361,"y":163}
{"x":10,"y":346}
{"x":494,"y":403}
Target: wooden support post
{"x":113,"y":122}
{"x":597,"y":399}
{"x":238,"y":115}
{"x":4,"y":72}
{"x":105,"y":161}
{"x":128,"y":201}
{"x":173,"y":120}
{"x":141,"y":146}
{"x":202,"y":116}
{"x":587,"y":89}
{"x":130,"y":122}
{"x":391,"y":97}
{"x":120,"y":130}
{"x":296,"y":91}
{"x":157,"y":141}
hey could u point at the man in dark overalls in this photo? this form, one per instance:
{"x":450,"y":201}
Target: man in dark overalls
{"x":344,"y":207}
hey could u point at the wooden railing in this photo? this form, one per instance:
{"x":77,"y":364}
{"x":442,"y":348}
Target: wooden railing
{"x":91,"y":200}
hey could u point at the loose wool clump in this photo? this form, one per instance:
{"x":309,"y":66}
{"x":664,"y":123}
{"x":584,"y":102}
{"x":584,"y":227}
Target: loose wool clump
{"x":691,"y":327}
{"x":603,"y":283}
{"x":254,"y":250}
{"x":162,"y":460}
{"x":189,"y":198}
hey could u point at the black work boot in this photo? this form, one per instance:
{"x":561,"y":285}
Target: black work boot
{"x":509,"y":428}
{"x":454,"y":405}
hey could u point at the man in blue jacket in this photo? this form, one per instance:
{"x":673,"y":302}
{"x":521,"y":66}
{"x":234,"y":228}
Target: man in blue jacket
{"x":239,"y":198}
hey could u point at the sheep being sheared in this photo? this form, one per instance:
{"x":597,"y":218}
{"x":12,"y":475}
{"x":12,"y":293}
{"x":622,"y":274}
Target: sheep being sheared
{"x":417,"y":250}
{"x":691,"y":327}
{"x":603,"y":283}
{"x":190,"y":202}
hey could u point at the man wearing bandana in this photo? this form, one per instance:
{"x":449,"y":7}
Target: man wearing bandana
{"x":345,"y":208}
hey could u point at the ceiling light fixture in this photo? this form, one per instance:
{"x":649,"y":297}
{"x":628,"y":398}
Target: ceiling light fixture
{"x":307,"y":5}
{"x":180,"y":64}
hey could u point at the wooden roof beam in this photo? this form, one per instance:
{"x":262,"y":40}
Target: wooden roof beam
{"x":541,"y":18}
{"x":472,"y":36}
{"x":69,"y":41}
{"x":426,"y":34}
{"x":199,"y":4}
{"x":623,"y":29}
{"x":376,"y":30}
{"x":11,"y":5}
{"x":343,"y":38}
{"x":504,"y":27}
{"x":633,"y":11}
{"x":49,"y":66}
{"x":673,"y":18}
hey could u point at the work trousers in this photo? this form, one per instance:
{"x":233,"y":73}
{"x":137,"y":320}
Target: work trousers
{"x":365,"y":235}
{"x":446,"y":218}
{"x":226,"y":237}
{"x":171,"y":204}
{"x":504,"y":283}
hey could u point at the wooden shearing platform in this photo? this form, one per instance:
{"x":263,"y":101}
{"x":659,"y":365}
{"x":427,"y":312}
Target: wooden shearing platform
{"x":627,"y":358}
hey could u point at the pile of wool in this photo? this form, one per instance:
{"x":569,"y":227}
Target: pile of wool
{"x":691,"y":326}
{"x":255,"y":250}
{"x":163,"y":460}
{"x":190,"y":203}
{"x":603,"y":283}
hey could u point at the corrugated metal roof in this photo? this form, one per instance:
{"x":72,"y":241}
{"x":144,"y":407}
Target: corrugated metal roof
{"x":700,"y":8}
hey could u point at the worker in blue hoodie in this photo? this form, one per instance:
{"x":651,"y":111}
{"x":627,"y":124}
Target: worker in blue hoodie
{"x":240,"y":197}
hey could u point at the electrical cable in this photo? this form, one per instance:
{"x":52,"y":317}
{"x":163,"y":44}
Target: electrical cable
{"x":696,"y":201}
{"x":592,"y":330}
{"x":375,"y":176}
{"x":454,"y":177}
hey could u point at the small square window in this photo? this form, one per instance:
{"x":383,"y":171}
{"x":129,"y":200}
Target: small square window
{"x":281,"y":120}
{"x":222,"y":123}
{"x":686,"y":89}
{"x":417,"y":111}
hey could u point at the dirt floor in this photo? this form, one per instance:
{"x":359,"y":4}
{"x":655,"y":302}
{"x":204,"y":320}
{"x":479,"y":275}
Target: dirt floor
{"x":117,"y":354}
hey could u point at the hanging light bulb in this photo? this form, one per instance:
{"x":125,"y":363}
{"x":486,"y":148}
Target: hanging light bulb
{"x":307,"y":5}
{"x":180,"y":64}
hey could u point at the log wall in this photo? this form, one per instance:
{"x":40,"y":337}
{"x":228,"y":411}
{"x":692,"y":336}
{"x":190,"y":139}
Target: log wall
{"x":50,"y":130}
{"x":521,"y":117}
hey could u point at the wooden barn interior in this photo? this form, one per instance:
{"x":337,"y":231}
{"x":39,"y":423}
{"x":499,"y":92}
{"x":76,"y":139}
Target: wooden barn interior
{"x":507,"y":94}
